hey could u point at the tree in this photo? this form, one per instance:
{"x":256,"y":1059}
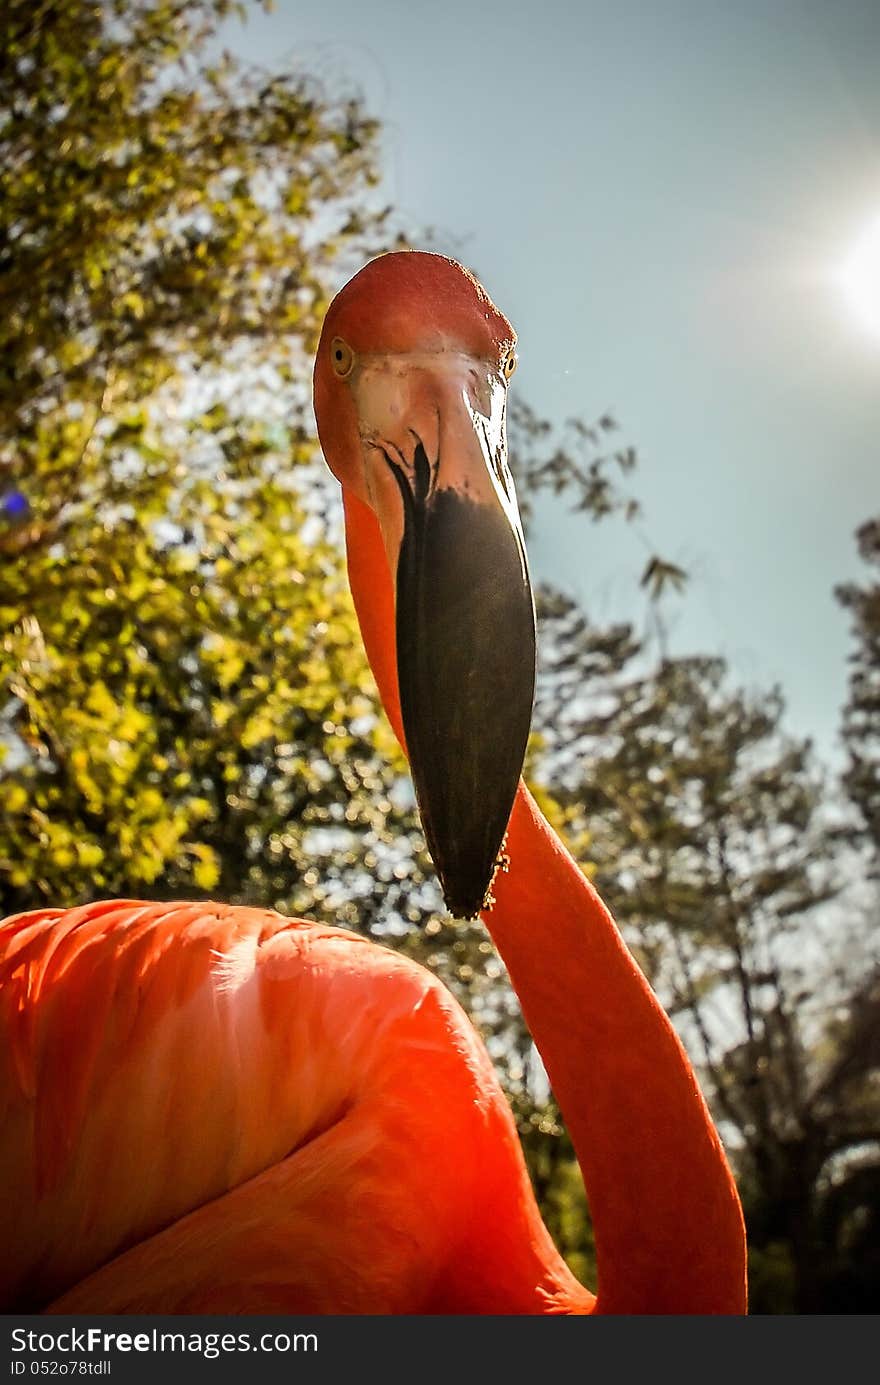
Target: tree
{"x":710,"y":839}
{"x":861,"y":720}
{"x":182,"y":692}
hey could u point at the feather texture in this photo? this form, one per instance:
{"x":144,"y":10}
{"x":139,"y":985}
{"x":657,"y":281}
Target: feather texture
{"x":209,"y":1108}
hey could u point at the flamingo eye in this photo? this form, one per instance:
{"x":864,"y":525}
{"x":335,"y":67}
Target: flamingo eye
{"x":341,"y":357}
{"x":510,"y":364}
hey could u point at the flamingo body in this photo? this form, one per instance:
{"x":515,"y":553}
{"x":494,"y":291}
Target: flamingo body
{"x":145,"y":1046}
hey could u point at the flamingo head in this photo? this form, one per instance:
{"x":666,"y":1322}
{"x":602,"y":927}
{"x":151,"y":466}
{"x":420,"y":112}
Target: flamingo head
{"x":411,"y":380}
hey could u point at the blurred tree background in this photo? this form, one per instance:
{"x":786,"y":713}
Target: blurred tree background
{"x":185,"y":709}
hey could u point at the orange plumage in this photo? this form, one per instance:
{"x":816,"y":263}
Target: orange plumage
{"x":209,"y":1108}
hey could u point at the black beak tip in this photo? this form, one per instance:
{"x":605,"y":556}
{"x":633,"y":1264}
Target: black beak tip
{"x":469,"y":894}
{"x":465,"y":908}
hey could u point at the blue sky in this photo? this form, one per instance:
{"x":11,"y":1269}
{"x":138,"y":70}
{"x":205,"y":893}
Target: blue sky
{"x":658,"y":195}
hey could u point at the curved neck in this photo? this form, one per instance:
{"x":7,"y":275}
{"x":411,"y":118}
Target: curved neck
{"x":667,"y":1219}
{"x":666,"y":1215}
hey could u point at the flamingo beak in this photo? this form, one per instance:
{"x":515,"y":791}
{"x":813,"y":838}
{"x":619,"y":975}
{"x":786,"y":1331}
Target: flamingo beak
{"x":436,"y":462}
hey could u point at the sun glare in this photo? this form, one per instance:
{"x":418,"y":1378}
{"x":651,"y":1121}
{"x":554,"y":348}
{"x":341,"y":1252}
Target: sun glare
{"x":860,"y":278}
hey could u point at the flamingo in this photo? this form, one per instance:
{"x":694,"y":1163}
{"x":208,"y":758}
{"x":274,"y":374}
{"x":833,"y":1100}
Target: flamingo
{"x":212,"y":1108}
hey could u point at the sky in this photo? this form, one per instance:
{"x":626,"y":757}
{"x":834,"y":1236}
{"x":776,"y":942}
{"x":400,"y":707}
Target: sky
{"x":661,"y":197}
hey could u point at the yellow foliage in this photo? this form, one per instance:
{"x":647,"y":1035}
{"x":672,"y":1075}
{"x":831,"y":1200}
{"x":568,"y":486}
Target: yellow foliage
{"x":14,"y":798}
{"x":206,"y":871}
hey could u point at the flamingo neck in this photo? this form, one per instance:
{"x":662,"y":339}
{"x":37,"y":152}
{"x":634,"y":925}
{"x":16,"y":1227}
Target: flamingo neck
{"x":373,"y":594}
{"x":666,"y":1216}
